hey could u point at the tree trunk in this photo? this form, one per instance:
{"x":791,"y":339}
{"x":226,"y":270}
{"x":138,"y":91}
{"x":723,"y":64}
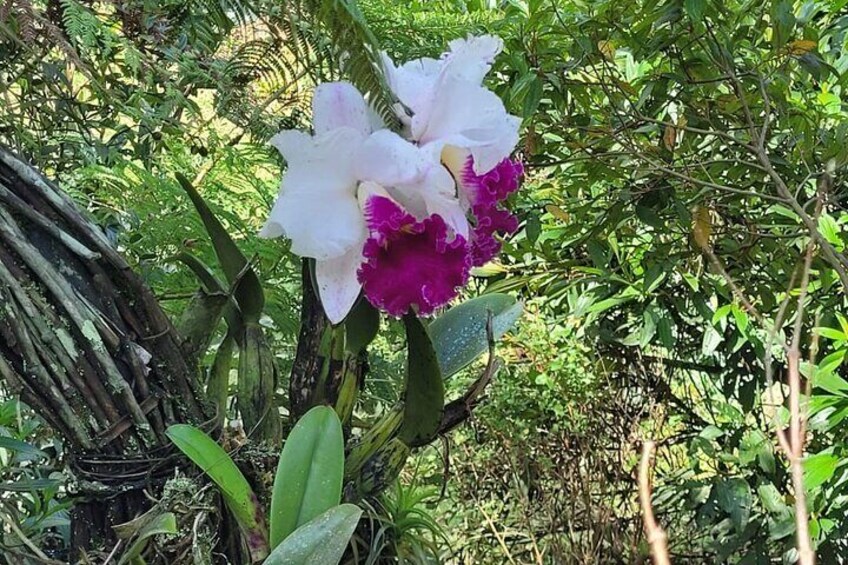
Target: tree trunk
{"x":84,"y":343}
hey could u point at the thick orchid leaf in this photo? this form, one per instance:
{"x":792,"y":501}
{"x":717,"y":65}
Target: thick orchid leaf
{"x":309,"y":474}
{"x":248,"y":294}
{"x":210,"y":283}
{"x":321,"y":541}
{"x":361,"y":326}
{"x":201,"y":270}
{"x":218,"y":466}
{"x":424,"y":395}
{"x":380,"y":471}
{"x":459,"y":335}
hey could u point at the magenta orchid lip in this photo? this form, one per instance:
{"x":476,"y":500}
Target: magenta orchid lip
{"x":410,"y":263}
{"x":401,"y":218}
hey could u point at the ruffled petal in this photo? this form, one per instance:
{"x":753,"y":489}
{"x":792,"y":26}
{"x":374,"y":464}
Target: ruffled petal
{"x":338,"y":286}
{"x":492,"y":187}
{"x":449,"y":105}
{"x":410,"y":264}
{"x":471,"y":59}
{"x":383,"y":215}
{"x":485,"y":193}
{"x":492,"y":221}
{"x":339,"y":104}
{"x":317,"y":207}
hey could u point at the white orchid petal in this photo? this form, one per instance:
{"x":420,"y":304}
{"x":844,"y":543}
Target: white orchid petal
{"x":272,"y":227}
{"x":412,"y":82}
{"x":388,"y":159}
{"x":471,"y":59}
{"x":451,"y":212}
{"x":317,"y":207}
{"x":488,"y":155}
{"x":469,"y":117}
{"x":433,"y":192}
{"x":369,"y":189}
{"x":340,"y":104}
{"x":338,"y":286}
{"x":288,"y":142}
{"x":442,"y":200}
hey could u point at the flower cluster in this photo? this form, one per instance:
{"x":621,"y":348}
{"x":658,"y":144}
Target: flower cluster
{"x":401,"y":218}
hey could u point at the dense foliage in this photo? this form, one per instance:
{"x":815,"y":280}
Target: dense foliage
{"x":682,"y":157}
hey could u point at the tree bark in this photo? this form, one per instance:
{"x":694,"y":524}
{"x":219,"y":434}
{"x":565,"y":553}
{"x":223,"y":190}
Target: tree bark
{"x":85,"y":344}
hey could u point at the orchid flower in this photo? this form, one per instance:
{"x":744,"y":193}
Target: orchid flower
{"x":452,"y":112}
{"x":464,"y":125}
{"x":401,"y":221}
{"x":325,"y":209}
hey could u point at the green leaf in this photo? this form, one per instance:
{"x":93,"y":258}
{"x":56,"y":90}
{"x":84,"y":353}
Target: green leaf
{"x":608,"y":303}
{"x":28,"y":485}
{"x":831,"y":333}
{"x":23,"y":450}
{"x":424,"y":391}
{"x":218,"y":466}
{"x":741,"y":318}
{"x":756,"y":446}
{"x":248,"y":292}
{"x":532,"y":98}
{"x":830,"y":230}
{"x":204,"y":274}
{"x":711,"y":340}
{"x":321,"y":541}
{"x":533,"y":229}
{"x":162,"y":524}
{"x":818,"y":469}
{"x":309,"y":474}
{"x":649,"y":217}
{"x":734,"y":497}
{"x":721,"y":313}
{"x":832,"y":362}
{"x":361,"y":326}
{"x":695,"y":9}
{"x":831,"y":382}
{"x":843,"y":323}
{"x":218,"y":380}
{"x":459,"y":335}
{"x":771,"y":498}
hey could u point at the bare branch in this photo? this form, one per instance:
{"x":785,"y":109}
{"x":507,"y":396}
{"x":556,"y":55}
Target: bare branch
{"x":657,"y":538}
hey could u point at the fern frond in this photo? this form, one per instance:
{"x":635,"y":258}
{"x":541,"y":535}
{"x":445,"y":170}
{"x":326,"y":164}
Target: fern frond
{"x":355,"y":48}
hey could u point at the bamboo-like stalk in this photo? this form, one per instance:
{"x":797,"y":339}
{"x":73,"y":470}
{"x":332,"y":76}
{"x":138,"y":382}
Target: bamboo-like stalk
{"x":84,"y":325}
{"x":45,"y":384}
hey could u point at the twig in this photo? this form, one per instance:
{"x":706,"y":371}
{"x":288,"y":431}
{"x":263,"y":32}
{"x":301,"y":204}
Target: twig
{"x":795,"y":453}
{"x":656,"y":535}
{"x":113,"y":552}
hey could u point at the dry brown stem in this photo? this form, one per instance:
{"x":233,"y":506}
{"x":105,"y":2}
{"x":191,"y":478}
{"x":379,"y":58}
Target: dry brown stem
{"x":657,"y":537}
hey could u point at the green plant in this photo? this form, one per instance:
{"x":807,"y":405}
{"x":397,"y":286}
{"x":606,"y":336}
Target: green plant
{"x":31,"y":486}
{"x":400,"y":525}
{"x":308,"y":524}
